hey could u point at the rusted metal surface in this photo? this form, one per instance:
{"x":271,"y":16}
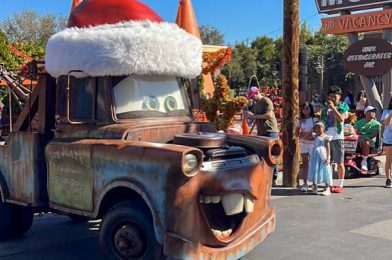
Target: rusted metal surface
{"x":181,"y":248}
{"x":85,"y":162}
{"x":23,"y":169}
{"x":267,"y":148}
{"x":154,"y":169}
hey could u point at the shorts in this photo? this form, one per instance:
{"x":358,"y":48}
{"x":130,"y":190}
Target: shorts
{"x":305,"y":148}
{"x":337,"y":151}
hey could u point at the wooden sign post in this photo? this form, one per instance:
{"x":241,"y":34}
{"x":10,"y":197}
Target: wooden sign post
{"x":290,"y":92}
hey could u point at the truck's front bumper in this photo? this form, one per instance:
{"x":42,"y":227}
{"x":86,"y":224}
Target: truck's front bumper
{"x":180,"y":248}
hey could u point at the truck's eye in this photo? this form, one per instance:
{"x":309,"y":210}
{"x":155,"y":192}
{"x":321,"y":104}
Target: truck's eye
{"x":151,"y":103}
{"x":170,"y":103}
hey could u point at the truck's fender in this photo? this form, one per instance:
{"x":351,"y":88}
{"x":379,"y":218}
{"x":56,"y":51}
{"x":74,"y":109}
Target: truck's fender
{"x":4,"y":192}
{"x":157,"y":220}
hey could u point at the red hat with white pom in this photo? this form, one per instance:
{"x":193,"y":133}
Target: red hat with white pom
{"x":122,"y":37}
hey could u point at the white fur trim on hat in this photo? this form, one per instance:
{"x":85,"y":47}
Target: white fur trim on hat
{"x":126,"y":48}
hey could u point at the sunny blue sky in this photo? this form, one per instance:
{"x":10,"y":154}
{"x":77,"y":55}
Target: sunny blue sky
{"x":237,"y":20}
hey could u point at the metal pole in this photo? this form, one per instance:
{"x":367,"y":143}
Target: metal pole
{"x":10,"y":107}
{"x":322,"y":78}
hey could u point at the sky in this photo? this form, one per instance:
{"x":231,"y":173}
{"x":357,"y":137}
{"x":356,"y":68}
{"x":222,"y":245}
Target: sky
{"x":237,"y":20}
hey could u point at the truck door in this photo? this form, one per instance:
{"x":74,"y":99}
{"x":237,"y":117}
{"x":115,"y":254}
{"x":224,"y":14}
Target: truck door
{"x":70,"y":176}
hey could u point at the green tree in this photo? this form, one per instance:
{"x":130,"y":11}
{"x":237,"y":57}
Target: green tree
{"x":29,"y":32}
{"x":305,"y":35}
{"x":6,"y":56}
{"x":30,"y":26}
{"x":242,"y":66}
{"x":334,"y":71}
{"x":268,"y":58}
{"x":211,"y":35}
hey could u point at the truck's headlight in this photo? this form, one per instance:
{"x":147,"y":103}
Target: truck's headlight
{"x":189,"y":164}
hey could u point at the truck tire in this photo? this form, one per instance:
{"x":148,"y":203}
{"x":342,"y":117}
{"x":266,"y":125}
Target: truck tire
{"x":22,"y":220}
{"x":6,"y":216}
{"x":127,"y":232}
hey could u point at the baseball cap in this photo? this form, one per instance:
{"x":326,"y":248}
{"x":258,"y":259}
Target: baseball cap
{"x":370,"y":109}
{"x":252,"y":91}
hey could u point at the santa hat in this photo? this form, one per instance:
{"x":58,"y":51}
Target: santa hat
{"x":122,"y":37}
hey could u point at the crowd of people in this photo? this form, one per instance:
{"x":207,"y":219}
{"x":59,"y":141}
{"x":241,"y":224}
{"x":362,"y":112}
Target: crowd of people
{"x":321,"y":137}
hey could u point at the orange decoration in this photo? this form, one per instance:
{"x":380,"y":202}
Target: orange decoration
{"x":215,"y":60}
{"x":186,"y":18}
{"x":75,"y":3}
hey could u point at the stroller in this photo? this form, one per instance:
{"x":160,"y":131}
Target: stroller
{"x":353,"y":158}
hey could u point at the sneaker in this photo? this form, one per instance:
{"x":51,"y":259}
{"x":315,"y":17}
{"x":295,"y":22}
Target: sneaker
{"x":304,"y":188}
{"x":337,"y":189}
{"x":364,"y":166}
{"x":326,"y":192}
{"x":314,"y":190}
{"x":388,"y":183}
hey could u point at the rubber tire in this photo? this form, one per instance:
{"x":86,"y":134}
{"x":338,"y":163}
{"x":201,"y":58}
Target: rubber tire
{"x":6,"y":216}
{"x":128,"y":211}
{"x":22,"y":220}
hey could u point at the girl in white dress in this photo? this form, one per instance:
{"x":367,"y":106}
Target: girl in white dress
{"x":319,"y":169}
{"x":304,"y":130}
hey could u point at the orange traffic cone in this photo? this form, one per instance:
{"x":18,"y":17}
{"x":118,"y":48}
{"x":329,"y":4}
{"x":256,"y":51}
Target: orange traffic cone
{"x":244,"y":125}
{"x":204,"y":117}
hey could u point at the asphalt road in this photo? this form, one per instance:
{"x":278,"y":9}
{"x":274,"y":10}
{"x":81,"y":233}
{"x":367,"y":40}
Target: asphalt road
{"x":354,"y":225}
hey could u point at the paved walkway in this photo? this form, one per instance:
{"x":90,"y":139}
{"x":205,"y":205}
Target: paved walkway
{"x":356,"y":224}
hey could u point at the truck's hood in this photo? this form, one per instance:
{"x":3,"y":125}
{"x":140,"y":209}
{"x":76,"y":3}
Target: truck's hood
{"x":157,"y":132}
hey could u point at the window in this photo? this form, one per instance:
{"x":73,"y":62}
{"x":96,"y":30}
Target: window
{"x":148,"y":96}
{"x":82,"y":103}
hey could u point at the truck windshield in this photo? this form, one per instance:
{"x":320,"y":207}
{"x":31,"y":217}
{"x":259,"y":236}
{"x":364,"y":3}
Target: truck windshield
{"x":149,"y":96}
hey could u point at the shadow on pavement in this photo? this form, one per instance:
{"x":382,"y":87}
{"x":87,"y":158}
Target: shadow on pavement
{"x":283,"y":191}
{"x":364,"y":186}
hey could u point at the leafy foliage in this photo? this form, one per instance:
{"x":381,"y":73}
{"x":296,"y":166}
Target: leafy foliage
{"x":30,"y":26}
{"x":221,"y":108}
{"x":243,"y":66}
{"x":6,"y":56}
{"x":263,"y":57}
{"x":28,"y":31}
{"x":211,"y":35}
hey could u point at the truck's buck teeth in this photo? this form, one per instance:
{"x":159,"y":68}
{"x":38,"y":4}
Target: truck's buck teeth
{"x":215,"y":199}
{"x":233,"y":203}
{"x":249,"y":204}
{"x":222,"y":234}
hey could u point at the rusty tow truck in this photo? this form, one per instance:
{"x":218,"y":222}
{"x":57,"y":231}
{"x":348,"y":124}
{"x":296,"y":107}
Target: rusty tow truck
{"x":161,"y":181}
{"x":126,"y":149}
